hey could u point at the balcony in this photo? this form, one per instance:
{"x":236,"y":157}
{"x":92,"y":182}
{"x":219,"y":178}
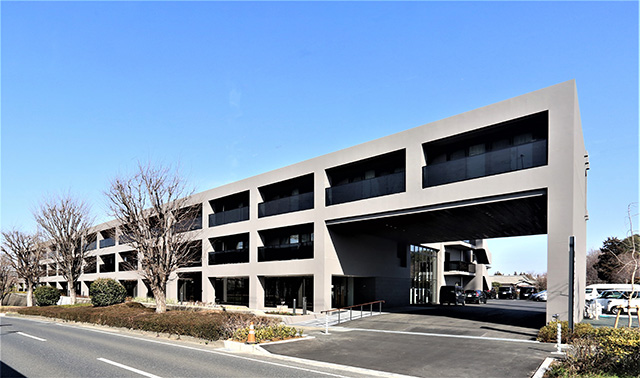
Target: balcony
{"x":459,"y":266}
{"x":286,"y":205}
{"x":107,"y":268}
{"x":229,"y":257}
{"x":109,"y":242}
{"x":91,"y":246}
{"x":190,"y":224}
{"x":229,"y":216}
{"x":286,"y":252}
{"x":524,"y":156}
{"x":368,"y":188}
{"x":127,"y":266}
{"x":90,"y":268}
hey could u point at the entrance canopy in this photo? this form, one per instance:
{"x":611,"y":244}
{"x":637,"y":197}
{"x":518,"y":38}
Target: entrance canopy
{"x":514,"y":214}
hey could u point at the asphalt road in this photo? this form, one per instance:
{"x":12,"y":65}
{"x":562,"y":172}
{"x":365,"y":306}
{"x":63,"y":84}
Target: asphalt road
{"x":492,"y":340}
{"x":34,"y":348}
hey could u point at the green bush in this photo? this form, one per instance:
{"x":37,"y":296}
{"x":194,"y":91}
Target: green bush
{"x":207,"y":325}
{"x":601,"y":352}
{"x":549,"y":333}
{"x":106,"y":292}
{"x":46,"y":295}
{"x":267,"y":333}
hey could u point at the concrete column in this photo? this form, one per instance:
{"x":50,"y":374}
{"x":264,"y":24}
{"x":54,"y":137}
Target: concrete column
{"x":256,"y":292}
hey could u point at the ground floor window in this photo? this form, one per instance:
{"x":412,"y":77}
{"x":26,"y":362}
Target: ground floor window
{"x":190,"y":287}
{"x":283,"y":290}
{"x":423,"y":274}
{"x":131,"y":286}
{"x":231,"y":290}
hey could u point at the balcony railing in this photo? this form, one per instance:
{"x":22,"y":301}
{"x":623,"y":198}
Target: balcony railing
{"x":286,"y":252}
{"x":107,"y":268}
{"x":459,"y":266}
{"x":91,"y":246}
{"x":519,"y":157}
{"x":126,"y":266}
{"x":298,"y":202}
{"x":374,"y":187}
{"x":90,"y":268}
{"x":229,"y":257}
{"x":109,"y":242}
{"x":229,"y":216}
{"x":189,"y":224}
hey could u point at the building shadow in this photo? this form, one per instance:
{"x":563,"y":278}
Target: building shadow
{"x":7,"y":371}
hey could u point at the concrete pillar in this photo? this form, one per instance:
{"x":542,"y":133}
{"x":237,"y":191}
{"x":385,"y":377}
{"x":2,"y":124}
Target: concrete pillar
{"x":256,"y":292}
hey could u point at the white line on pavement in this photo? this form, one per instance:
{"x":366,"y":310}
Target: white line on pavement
{"x":443,"y":335}
{"x":33,"y":337}
{"x":371,"y":372}
{"x":128,"y":368}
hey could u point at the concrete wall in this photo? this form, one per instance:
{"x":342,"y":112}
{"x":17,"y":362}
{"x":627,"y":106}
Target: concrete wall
{"x":563,"y":178}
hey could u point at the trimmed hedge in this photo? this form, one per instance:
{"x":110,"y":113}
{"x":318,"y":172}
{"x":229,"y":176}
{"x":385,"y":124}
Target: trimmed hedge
{"x":599,"y":352}
{"x":268,"y":333}
{"x":106,"y":292}
{"x":549,"y":333}
{"x":46,"y":295}
{"x":207,"y":325}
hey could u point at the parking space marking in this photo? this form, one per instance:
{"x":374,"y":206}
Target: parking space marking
{"x":444,"y":335}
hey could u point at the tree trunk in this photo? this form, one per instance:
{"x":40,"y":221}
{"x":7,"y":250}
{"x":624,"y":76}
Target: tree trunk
{"x":72,"y":291}
{"x":161,"y":300}
{"x":29,"y":294}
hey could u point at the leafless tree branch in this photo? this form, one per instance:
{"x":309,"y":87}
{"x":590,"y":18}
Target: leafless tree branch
{"x":66,"y":221}
{"x":23,"y":253}
{"x":151,"y":206}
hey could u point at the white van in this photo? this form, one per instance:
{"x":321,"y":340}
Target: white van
{"x":594,"y":291}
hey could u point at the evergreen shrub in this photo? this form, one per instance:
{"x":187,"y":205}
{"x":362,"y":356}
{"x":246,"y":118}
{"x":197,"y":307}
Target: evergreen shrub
{"x":106,"y":292}
{"x":46,"y":295}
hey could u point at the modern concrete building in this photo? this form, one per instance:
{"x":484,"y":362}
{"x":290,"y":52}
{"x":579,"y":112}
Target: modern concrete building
{"x":390,"y":219}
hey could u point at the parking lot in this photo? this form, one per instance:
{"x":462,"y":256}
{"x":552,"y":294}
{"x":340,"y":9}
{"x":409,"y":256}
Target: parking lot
{"x":496,"y":339}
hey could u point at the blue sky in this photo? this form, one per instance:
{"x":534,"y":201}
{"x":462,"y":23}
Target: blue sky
{"x":90,"y":88}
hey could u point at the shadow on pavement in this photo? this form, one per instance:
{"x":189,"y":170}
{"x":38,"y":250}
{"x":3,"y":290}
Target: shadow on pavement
{"x":7,"y":371}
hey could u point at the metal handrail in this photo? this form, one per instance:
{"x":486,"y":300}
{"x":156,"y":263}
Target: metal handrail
{"x":350,"y":308}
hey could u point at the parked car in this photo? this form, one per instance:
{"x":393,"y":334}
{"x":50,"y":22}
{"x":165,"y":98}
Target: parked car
{"x":615,"y":305}
{"x":540,"y":297}
{"x":475,"y":296}
{"x":526,"y":292}
{"x":451,"y":294}
{"x":506,"y":292}
{"x":604,"y":297}
{"x":490,"y":294}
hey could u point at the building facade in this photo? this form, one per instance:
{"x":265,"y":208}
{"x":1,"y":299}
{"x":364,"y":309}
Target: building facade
{"x":390,"y":219}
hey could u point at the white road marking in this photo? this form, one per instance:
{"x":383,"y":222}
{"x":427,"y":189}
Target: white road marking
{"x":33,"y":337}
{"x":128,"y":368}
{"x":367,"y":371}
{"x":444,"y":335}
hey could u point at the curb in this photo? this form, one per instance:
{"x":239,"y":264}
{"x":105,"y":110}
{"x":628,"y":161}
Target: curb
{"x":543,"y":367}
{"x":236,"y":346}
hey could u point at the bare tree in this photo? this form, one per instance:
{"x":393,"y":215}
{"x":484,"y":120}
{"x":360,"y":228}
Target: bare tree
{"x":65,"y":221}
{"x":151,"y":206}
{"x":630,"y":244}
{"x":592,"y":274}
{"x":23,"y":253}
{"x":7,"y":277}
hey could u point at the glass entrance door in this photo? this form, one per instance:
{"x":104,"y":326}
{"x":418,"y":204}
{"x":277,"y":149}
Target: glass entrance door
{"x":423,"y":274}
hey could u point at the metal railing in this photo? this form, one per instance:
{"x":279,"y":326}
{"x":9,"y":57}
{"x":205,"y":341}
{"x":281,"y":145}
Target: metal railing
{"x":350,"y":308}
{"x":229,"y":216}
{"x":524,"y":156}
{"x":108,"y":242}
{"x":290,"y":204}
{"x":368,"y":188}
